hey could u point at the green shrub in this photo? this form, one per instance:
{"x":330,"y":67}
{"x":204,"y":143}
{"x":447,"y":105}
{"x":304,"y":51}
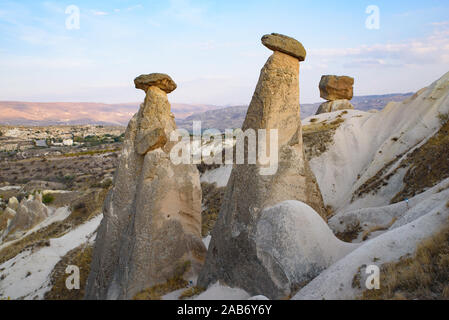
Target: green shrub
{"x":48,"y":198}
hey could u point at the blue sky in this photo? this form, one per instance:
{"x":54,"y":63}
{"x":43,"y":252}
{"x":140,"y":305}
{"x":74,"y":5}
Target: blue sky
{"x":212,"y":49}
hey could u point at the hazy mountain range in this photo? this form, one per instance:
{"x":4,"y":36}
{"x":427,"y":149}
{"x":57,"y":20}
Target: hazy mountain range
{"x":74,"y":113}
{"x":219,"y":117}
{"x":233,"y":117}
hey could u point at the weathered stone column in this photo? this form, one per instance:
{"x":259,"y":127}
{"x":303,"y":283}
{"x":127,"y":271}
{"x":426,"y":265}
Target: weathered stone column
{"x":152,"y":216}
{"x":233,"y":254}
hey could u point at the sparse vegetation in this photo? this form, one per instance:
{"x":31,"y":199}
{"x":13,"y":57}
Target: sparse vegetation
{"x":428,"y":165}
{"x":351,"y":232}
{"x":423,"y":276}
{"x":318,"y":136}
{"x":367,"y":233}
{"x":337,"y":122}
{"x":34,"y":240}
{"x":380,"y":179}
{"x":88,"y":153}
{"x":356,"y":280}
{"x":83,"y":209}
{"x":191,"y":292}
{"x":444,"y":118}
{"x":329,"y":211}
{"x":212,"y":199}
{"x":105,"y":184}
{"x":48,"y":198}
{"x":80,"y":257}
{"x":175,"y":283}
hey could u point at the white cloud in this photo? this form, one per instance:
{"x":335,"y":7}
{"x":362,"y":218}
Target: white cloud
{"x":433,"y":49}
{"x":99,"y":13}
{"x":439,"y":24}
{"x":138,"y":6}
{"x":185,"y":11}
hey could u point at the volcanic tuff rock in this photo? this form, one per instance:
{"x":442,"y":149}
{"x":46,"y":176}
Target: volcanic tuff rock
{"x":28,"y":213}
{"x":284,"y":44}
{"x":152,"y":216}
{"x":297,"y":243}
{"x":13,"y":203}
{"x":331,"y":106}
{"x":336,"y":88}
{"x":233,"y":257}
{"x":5,"y":218}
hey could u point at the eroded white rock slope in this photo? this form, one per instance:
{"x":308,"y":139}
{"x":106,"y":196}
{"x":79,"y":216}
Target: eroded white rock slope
{"x":362,"y":145}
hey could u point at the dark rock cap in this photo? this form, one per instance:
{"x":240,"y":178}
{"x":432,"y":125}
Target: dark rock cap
{"x":284,"y":44}
{"x":160,"y":80}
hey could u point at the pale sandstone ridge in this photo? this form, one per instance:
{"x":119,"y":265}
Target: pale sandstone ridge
{"x":235,"y":256}
{"x":338,"y":90}
{"x":284,"y":44}
{"x":152,"y":216}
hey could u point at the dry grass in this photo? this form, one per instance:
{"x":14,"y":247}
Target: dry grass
{"x":157,"y":291}
{"x":34,"y":240}
{"x":366,"y":233}
{"x":376,"y":182}
{"x":424,"y":276}
{"x":329,"y":211}
{"x":323,"y":125}
{"x":317,"y":136}
{"x":428,"y":165}
{"x":352,"y":232}
{"x":81,"y":257}
{"x":425,"y":168}
{"x":212,"y":199}
{"x":444,"y":118}
{"x":191,"y":292}
{"x":83,"y":209}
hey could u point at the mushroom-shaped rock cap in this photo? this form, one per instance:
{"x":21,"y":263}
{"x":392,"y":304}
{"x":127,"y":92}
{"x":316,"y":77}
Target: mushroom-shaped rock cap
{"x":284,"y":44}
{"x":336,"y":87}
{"x":160,"y":80}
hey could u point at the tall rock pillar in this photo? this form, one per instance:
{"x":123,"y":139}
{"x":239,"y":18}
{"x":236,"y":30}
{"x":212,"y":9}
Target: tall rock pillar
{"x":152,"y":216}
{"x":233,"y":256}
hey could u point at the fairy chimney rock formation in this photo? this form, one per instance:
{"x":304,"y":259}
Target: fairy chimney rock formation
{"x":338,"y":90}
{"x":234,"y":256}
{"x":151,"y":230}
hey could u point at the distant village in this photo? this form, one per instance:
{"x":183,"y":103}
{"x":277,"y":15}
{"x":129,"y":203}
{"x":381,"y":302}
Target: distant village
{"x":24,"y":138}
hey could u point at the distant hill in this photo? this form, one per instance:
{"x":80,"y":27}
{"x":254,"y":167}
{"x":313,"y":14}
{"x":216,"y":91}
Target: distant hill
{"x":233,"y":117}
{"x":78,"y":113}
{"x":81,"y":113}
